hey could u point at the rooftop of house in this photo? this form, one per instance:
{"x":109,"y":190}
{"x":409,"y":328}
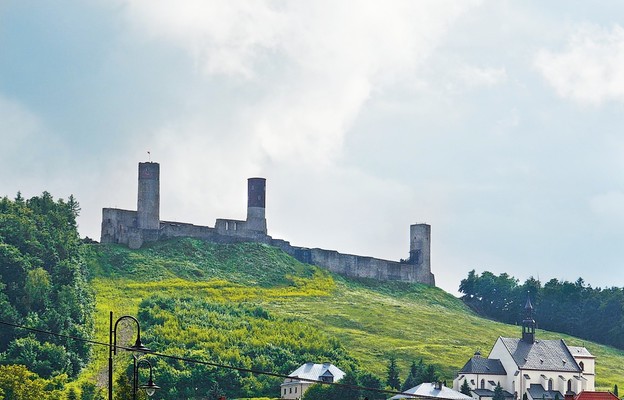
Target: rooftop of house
{"x":548,"y":355}
{"x":580,"y":352}
{"x":490,"y":393}
{"x":595,"y":396}
{"x":316,"y":371}
{"x":480,"y":365}
{"x":537,"y":391}
{"x":432,"y":390}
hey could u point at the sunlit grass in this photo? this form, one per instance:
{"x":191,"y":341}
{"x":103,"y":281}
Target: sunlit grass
{"x":372,"y":320}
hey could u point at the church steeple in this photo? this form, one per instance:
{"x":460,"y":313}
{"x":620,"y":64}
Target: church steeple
{"x":528,"y":324}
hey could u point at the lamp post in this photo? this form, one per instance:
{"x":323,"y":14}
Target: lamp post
{"x":150,"y":387}
{"x":112,"y":347}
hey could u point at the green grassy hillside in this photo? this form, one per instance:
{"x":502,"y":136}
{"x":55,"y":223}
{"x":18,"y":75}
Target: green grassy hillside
{"x":254,"y":299}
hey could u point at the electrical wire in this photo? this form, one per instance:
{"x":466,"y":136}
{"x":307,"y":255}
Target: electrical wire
{"x":218,"y":365}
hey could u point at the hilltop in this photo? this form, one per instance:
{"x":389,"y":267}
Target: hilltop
{"x":252,"y":305}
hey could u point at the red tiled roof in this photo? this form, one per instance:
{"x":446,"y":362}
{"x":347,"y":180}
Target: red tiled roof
{"x":595,"y":396}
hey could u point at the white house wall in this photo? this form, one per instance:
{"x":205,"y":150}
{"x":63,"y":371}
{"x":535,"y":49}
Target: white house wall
{"x":589,"y":371}
{"x":474,"y":380}
{"x":293,"y":389}
{"x":515,"y":381}
{"x":512,"y":380}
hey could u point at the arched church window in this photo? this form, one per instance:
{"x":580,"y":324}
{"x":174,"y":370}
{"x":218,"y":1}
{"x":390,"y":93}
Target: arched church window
{"x":550,"y":384}
{"x":569,"y":385}
{"x":482,"y":383}
{"x":582,"y":366}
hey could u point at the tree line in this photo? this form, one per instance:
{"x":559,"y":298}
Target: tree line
{"x":43,"y":285}
{"x":574,"y":308}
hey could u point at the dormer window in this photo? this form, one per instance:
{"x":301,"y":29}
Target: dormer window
{"x":327,"y":377}
{"x":582,"y":366}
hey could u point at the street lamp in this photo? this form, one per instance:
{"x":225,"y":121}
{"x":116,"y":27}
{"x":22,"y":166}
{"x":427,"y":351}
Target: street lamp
{"x":112,"y":347}
{"x":150,"y":387}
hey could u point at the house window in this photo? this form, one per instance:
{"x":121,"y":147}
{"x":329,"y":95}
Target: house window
{"x":284,"y":390}
{"x":550,"y":384}
{"x":289,"y":390}
{"x":582,"y":366}
{"x":295,"y":389}
{"x":482,"y":383}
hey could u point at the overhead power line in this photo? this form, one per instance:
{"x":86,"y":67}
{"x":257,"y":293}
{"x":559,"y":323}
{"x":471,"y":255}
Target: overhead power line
{"x":218,"y":365}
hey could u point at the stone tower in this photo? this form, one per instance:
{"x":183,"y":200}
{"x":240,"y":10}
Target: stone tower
{"x":420,"y":245}
{"x":148,"y":200}
{"x":256,"y":201}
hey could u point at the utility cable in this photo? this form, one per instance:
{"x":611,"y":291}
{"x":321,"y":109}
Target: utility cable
{"x":218,"y":365}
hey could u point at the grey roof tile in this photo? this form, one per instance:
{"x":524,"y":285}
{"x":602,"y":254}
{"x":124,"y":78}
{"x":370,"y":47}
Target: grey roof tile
{"x":537,"y":392}
{"x":580,"y":351}
{"x":490,"y":393}
{"x":429,"y":390}
{"x":546,"y":355}
{"x":480,"y":365}
{"x":316,"y":371}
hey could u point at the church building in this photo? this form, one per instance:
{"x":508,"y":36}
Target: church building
{"x":529,"y":368}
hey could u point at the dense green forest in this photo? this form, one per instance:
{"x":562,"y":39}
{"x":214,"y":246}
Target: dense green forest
{"x":43,"y":285}
{"x":574,"y":308}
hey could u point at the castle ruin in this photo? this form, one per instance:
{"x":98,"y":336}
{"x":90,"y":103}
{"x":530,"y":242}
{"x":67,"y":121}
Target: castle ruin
{"x":134,"y":228}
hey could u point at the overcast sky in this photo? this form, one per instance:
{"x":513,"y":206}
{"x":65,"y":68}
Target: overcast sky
{"x":500,"y":123}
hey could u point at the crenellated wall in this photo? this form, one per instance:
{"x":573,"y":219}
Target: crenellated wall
{"x":135,"y":228}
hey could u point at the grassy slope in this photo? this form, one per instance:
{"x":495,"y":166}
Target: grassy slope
{"x":373,"y":320}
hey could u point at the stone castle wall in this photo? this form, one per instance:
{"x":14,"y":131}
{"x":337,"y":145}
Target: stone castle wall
{"x":359,"y":266}
{"x":133,"y":229}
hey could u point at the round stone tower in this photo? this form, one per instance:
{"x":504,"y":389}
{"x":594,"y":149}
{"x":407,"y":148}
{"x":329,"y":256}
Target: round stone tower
{"x":148,"y":204}
{"x":420,"y":245}
{"x":256,"y":201}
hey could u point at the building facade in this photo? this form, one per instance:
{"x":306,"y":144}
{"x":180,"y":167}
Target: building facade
{"x":541,"y":369}
{"x":307,"y":375}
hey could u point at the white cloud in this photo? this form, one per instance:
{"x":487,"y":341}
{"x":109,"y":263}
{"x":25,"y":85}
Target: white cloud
{"x":225,"y":37}
{"x":591,"y":68}
{"x":609,"y":206}
{"x":17,"y":126}
{"x":482,"y":76}
{"x":28,"y":149}
{"x":316,"y":63}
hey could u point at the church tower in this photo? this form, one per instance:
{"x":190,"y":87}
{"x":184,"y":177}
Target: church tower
{"x":528,"y":324}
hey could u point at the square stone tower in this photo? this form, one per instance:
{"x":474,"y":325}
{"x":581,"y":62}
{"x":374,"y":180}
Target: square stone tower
{"x":148,"y":199}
